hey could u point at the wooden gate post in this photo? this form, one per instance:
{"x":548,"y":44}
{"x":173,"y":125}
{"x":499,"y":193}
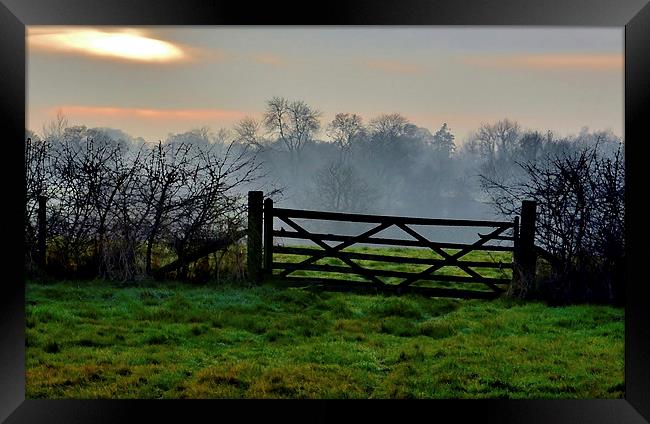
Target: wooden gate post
{"x":525,"y":256}
{"x":42,"y":231}
{"x":268,"y":237}
{"x":254,"y":239}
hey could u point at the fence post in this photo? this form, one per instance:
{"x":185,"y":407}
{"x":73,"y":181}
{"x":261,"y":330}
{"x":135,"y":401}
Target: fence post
{"x":525,"y":256}
{"x":42,"y":231}
{"x":254,"y":240}
{"x":268,"y":237}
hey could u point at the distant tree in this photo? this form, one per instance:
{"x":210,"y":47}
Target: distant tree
{"x":387,"y":128}
{"x":344,"y":129}
{"x":247,"y":132}
{"x":198,"y":137}
{"x":338,"y":187}
{"x":393,"y":140}
{"x":387,"y":152}
{"x":498,"y":140}
{"x":443,"y":142}
{"x":293,"y":122}
{"x":54,"y":129}
{"x":557,"y":146}
{"x":116,"y":136}
{"x":608,"y":143}
{"x":530,"y":145}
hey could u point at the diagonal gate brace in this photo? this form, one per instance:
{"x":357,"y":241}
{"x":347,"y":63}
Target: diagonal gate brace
{"x":450,"y":260}
{"x":333,"y":251}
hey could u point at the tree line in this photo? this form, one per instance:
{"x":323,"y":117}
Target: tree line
{"x":114,"y":199}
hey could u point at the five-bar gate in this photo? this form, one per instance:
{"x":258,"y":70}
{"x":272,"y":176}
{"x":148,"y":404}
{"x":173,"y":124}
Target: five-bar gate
{"x":422,"y":280}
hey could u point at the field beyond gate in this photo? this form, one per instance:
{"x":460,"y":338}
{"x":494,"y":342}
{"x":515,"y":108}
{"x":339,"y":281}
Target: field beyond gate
{"x":336,"y":262}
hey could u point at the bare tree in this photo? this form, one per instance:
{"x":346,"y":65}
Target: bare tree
{"x":37,"y":176}
{"x":340,"y":188}
{"x":580,"y":197}
{"x":55,"y":129}
{"x":293,"y":122}
{"x":387,"y":128}
{"x":198,"y":136}
{"x":110,"y":200}
{"x":125,"y":228}
{"x":498,"y":140}
{"x":165,"y":174}
{"x":530,"y":145}
{"x":344,"y":129}
{"x":247,"y":131}
{"x":211,"y":207}
{"x":82,"y":184}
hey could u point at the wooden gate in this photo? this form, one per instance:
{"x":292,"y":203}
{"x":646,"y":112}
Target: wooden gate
{"x":354,"y":264}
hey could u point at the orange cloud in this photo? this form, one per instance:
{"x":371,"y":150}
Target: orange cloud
{"x":121,"y":44}
{"x":269,"y":59}
{"x":394,"y":67}
{"x":77,"y":111}
{"x":550,"y":61}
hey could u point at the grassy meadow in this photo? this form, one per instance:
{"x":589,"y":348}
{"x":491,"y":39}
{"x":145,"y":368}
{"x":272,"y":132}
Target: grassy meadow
{"x":103,"y":339}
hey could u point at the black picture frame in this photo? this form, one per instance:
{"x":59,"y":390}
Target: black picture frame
{"x":634,"y":15}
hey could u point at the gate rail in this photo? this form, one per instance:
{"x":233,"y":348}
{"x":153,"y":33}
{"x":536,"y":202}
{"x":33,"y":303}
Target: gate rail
{"x":262,"y":265}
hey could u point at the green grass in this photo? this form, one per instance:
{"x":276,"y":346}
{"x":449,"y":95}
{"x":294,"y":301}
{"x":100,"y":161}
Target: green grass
{"x":483,"y":256}
{"x":103,"y":340}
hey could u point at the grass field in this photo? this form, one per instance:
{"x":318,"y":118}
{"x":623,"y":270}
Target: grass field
{"x":110,"y":340}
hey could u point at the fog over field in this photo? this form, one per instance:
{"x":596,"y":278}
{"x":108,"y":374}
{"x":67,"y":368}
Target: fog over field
{"x":397,"y":121}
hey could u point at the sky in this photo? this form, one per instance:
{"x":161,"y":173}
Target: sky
{"x":156,"y":80}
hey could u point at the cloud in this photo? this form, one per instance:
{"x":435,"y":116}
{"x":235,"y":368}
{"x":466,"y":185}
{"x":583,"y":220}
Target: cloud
{"x":549,"y":61}
{"x":79,"y":111}
{"x":125,"y":44}
{"x":394,"y":66}
{"x":269,"y":59}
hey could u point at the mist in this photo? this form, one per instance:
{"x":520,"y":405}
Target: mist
{"x":385,"y":166}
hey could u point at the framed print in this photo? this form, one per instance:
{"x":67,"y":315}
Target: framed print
{"x":441,"y":201}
